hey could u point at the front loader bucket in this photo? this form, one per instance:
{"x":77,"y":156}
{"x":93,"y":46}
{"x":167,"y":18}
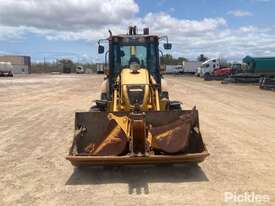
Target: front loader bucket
{"x":174,"y":137}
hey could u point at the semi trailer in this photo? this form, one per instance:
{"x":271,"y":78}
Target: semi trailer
{"x":257,"y":69}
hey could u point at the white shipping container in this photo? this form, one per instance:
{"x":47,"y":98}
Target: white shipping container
{"x":190,"y":66}
{"x":173,"y":69}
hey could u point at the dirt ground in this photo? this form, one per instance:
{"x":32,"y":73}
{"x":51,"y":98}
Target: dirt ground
{"x":36,"y":129}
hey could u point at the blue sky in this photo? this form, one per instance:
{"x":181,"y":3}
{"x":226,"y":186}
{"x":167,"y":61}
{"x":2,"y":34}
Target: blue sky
{"x":263,"y":12}
{"x":70,"y":28}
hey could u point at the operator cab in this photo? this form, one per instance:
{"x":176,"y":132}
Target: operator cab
{"x":133,"y":50}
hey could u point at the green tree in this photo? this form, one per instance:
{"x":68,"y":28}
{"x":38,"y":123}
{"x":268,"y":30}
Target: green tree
{"x":202,"y":58}
{"x":181,"y":59}
{"x":168,"y":59}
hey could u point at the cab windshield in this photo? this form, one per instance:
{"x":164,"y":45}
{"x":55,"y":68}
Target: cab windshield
{"x":123,"y":55}
{"x":205,"y":66}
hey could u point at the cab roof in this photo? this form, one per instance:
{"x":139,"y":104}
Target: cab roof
{"x":140,"y":38}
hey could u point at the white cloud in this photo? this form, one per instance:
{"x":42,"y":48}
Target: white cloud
{"x":248,"y":29}
{"x":11,"y":33}
{"x":239,"y":13}
{"x":88,"y":20}
{"x":160,"y":23}
{"x":163,"y":23}
{"x":66,"y":14}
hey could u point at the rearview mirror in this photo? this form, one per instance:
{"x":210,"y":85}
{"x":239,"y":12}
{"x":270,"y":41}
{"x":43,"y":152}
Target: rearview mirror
{"x":167,"y":46}
{"x":100,"y":49}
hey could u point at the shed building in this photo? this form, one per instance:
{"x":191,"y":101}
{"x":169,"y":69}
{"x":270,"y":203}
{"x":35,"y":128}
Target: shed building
{"x":21,"y":64}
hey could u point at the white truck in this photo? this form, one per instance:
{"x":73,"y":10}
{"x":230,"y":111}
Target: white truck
{"x":6,"y":69}
{"x":80,"y":70}
{"x":208,"y":67}
{"x":190,"y":66}
{"x":173,"y":69}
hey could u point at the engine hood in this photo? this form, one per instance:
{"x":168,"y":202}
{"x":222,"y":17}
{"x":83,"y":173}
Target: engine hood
{"x":135,"y":77}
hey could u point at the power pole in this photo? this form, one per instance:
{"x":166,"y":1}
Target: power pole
{"x":44,"y":63}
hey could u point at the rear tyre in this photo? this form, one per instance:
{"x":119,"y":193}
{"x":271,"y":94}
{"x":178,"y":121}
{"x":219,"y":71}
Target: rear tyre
{"x":261,"y":81}
{"x":175,"y":106}
{"x":164,"y":95}
{"x":94,"y":109}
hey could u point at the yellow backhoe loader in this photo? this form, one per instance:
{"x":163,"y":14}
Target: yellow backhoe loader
{"x":134,"y":122}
